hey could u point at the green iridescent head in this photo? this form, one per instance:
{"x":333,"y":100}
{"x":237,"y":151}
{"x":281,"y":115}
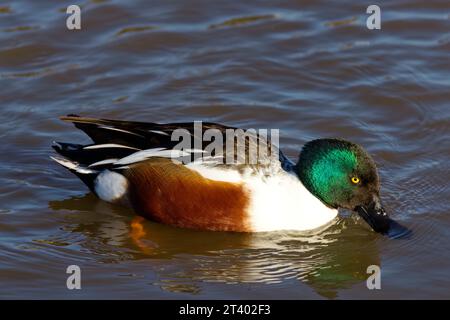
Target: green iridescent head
{"x":343,"y":175}
{"x":338,"y":172}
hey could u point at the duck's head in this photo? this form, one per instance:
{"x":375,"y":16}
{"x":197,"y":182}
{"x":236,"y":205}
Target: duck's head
{"x":343,"y":175}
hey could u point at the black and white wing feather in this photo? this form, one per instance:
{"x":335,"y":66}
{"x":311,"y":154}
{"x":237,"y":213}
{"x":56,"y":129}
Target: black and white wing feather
{"x":117,"y":144}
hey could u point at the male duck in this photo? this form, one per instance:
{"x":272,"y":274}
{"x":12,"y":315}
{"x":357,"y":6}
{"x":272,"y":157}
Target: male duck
{"x":131,"y":163}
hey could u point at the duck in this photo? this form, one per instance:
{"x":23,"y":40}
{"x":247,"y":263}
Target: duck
{"x":141,"y":165}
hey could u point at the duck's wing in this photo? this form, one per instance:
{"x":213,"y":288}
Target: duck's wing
{"x":118,"y":144}
{"x":139,"y":135}
{"x":114,"y":139}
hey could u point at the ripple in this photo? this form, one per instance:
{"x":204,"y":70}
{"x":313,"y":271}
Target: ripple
{"x":343,"y":22}
{"x":135,"y":29}
{"x":240,"y":21}
{"x":25,"y":54}
{"x":21,"y":28}
{"x":5,"y":10}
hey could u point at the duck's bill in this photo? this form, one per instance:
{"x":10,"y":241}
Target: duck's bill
{"x":380,"y":222}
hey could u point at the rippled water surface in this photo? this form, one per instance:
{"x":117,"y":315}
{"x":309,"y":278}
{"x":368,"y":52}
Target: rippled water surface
{"x":310,"y":68}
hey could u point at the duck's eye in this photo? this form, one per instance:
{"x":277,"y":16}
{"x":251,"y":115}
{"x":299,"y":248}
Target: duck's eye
{"x":355,"y":180}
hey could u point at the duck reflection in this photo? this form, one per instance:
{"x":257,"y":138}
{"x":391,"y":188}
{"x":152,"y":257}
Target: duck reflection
{"x":328,"y":261}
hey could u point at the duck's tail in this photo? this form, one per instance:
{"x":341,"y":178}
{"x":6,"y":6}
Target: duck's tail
{"x":85,"y":174}
{"x":112,"y":139}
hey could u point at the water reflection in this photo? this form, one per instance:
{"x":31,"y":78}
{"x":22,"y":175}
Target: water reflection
{"x":328,"y":261}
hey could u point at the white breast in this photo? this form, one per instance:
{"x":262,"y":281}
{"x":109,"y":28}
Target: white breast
{"x":277,"y":202}
{"x":281,"y":202}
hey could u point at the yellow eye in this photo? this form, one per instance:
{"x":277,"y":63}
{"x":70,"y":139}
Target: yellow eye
{"x":355,"y":180}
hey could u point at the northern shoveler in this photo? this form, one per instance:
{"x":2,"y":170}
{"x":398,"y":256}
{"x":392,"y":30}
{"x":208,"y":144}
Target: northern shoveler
{"x":133,"y":164}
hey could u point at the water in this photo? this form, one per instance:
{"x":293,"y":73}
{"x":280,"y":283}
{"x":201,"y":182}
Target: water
{"x":310,"y":68}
